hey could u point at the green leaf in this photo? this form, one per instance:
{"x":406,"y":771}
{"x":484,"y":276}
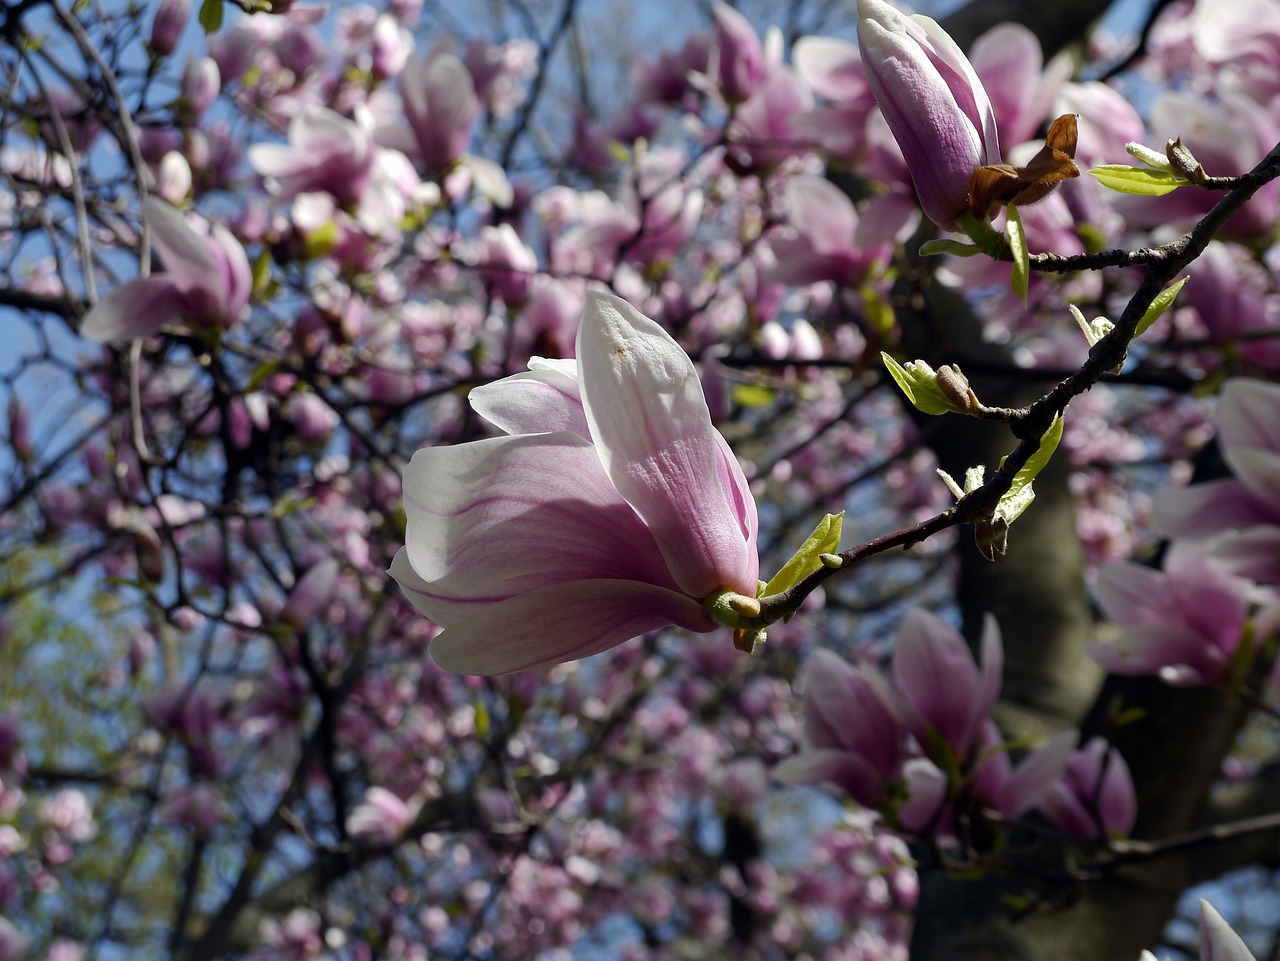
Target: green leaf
{"x":321,"y":240}
{"x":1020,"y":495}
{"x":261,"y":275}
{"x":1137,"y":180}
{"x":211,"y":16}
{"x":919,"y":382}
{"x":825,"y":539}
{"x":751,"y":396}
{"x":942,"y":245}
{"x":877,"y":311}
{"x":1164,"y":300}
{"x":261,"y":373}
{"x":1018,"y":247}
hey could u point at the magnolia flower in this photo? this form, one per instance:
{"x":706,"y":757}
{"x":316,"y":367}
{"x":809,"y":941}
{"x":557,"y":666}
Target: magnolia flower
{"x":1095,"y":795}
{"x":934,"y":103}
{"x":1248,"y":505}
{"x":852,"y":738}
{"x":612,"y":508}
{"x":207,"y":281}
{"x":1184,"y":622}
{"x":441,"y":106}
{"x":943,"y":695}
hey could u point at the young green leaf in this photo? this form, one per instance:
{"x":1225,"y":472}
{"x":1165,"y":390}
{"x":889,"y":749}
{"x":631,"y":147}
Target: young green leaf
{"x":211,"y":16}
{"x":825,"y":539}
{"x":1163,"y":301}
{"x":943,"y":245}
{"x":1020,"y":495}
{"x":1137,"y":180}
{"x":1018,"y":247}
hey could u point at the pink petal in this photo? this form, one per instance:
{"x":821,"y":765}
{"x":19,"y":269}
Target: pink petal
{"x":277,"y":160}
{"x":992,"y":668}
{"x":831,"y":67}
{"x":1258,"y":470}
{"x":137,"y":309}
{"x":653,"y":433}
{"x":314,"y":134}
{"x":236,"y":275}
{"x":1204,"y":510}
{"x":562,"y":622}
{"x":841,"y":769}
{"x":184,"y":252}
{"x":1148,"y":650}
{"x":499,"y":517}
{"x":536,"y":401}
{"x":1133,"y":595}
{"x":935,"y":671}
{"x":1036,"y":775}
{"x":822,"y":213}
{"x":1218,"y":942}
{"x":1249,"y":415}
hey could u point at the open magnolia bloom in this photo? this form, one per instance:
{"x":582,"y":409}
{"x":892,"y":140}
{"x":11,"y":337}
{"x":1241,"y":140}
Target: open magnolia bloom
{"x":612,"y":508}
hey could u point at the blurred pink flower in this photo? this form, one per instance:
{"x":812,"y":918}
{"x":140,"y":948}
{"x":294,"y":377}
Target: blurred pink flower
{"x":1184,"y":622}
{"x":612,"y":508}
{"x":381,"y":816}
{"x":852,"y":738}
{"x":207,"y":281}
{"x":1095,"y":795}
{"x":821,"y":244}
{"x":1246,"y":506}
{"x":441,"y":106}
{"x":943,"y":695}
{"x":737,"y":65}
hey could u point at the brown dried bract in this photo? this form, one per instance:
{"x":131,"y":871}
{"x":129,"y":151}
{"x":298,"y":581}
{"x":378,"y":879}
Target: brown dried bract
{"x":1007,"y":184}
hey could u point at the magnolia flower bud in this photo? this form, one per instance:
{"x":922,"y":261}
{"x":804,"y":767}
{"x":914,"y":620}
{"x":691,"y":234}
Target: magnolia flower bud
{"x":166,"y":29}
{"x":934,"y":103}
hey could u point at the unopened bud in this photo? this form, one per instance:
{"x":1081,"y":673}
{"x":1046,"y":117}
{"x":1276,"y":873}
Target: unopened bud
{"x":954,"y":386}
{"x":1183,"y":161}
{"x":166,"y":29}
{"x":991,"y":537}
{"x":146,"y":546}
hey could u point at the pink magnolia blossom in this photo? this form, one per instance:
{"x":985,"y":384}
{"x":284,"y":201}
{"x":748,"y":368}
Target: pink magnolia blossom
{"x":1217,"y":941}
{"x":1095,"y":795}
{"x":207,"y":281}
{"x":498,"y":71}
{"x":1184,"y":622}
{"x":852,"y":737}
{"x":944,"y":696}
{"x":1014,"y":791}
{"x":821,"y":244}
{"x":934,"y":103}
{"x":441,"y":106}
{"x":382,"y":816}
{"x":832,"y":69}
{"x":1010,"y":64}
{"x":1248,"y":505}
{"x":612,"y":508}
{"x":737,"y":60}
{"x":168,"y":25}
